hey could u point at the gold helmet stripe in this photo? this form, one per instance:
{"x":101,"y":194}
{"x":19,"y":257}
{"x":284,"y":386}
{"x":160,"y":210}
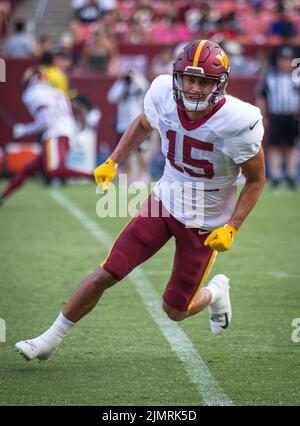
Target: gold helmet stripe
{"x":198,"y":52}
{"x":223,"y":58}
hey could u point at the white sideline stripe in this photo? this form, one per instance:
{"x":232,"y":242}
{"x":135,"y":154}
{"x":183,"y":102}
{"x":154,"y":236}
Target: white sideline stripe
{"x":207,"y":386}
{"x":278,"y":274}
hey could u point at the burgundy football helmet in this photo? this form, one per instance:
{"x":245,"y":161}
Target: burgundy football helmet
{"x":200,"y":58}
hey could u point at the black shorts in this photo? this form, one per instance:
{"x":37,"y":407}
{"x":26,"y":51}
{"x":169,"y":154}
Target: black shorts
{"x":284,"y":129}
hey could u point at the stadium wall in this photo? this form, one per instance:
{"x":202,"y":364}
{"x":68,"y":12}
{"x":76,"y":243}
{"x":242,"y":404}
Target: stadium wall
{"x":93,"y":86}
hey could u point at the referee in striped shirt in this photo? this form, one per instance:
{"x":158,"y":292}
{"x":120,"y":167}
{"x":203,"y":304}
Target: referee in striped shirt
{"x":279,"y":95}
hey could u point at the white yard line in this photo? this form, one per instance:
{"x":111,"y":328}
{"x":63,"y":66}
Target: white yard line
{"x":278,"y":274}
{"x":207,"y":386}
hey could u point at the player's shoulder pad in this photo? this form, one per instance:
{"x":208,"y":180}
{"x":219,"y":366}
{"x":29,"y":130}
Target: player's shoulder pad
{"x":160,"y":89}
{"x":239,"y":116}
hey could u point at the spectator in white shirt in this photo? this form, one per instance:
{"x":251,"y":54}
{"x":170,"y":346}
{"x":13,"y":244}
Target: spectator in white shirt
{"x":128,"y":94}
{"x":20,"y":44}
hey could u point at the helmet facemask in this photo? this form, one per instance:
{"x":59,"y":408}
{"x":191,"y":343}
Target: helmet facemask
{"x":212,"y":99}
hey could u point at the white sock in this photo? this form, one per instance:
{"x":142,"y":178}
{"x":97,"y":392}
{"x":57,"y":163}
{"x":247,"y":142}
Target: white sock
{"x":215,"y":291}
{"x":57,"y":331}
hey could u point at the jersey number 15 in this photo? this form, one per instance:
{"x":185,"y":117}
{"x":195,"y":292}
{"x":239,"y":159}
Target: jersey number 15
{"x":187,"y":160}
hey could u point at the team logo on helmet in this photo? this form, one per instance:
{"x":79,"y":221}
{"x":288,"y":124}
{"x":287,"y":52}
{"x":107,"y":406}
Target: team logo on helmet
{"x":223,"y":58}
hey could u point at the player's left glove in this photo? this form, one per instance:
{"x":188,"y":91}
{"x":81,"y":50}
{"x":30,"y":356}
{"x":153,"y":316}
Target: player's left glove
{"x":221,"y":239}
{"x":105,"y":173}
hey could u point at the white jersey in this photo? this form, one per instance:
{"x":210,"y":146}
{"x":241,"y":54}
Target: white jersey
{"x":57,"y":109}
{"x":203,"y":157}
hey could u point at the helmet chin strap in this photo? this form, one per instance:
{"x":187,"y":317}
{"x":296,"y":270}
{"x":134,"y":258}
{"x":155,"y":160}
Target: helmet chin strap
{"x":190,"y":105}
{"x":216,"y":94}
{"x":196,"y":106}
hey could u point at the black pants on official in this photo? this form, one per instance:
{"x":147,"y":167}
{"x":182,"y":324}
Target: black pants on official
{"x":283,"y":129}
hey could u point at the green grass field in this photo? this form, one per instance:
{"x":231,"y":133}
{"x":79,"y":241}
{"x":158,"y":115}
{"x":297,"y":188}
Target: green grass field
{"x":117,"y":355}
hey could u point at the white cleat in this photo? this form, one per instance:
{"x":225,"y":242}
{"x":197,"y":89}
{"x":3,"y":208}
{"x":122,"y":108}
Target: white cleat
{"x":34,"y":348}
{"x":220,"y":312}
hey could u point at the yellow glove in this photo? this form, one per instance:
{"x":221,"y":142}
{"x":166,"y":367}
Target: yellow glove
{"x":221,"y":239}
{"x":105,"y":173}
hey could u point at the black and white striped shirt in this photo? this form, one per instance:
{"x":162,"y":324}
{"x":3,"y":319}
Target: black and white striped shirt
{"x":281,"y":92}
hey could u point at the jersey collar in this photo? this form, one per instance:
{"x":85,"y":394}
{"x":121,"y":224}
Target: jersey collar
{"x":188,"y":125}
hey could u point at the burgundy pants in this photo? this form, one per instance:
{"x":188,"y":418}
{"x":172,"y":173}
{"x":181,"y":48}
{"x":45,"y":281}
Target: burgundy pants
{"x":144,"y":236}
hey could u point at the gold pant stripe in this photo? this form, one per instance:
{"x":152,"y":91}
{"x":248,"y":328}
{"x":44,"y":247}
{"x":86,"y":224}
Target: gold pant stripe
{"x":204,"y":276}
{"x":48,"y":153}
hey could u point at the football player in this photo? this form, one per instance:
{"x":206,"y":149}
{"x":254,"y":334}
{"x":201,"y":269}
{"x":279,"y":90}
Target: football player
{"x":53,"y":120}
{"x":208,"y":139}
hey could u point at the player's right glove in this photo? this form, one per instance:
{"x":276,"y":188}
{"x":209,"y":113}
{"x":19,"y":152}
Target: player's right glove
{"x":105,"y":173}
{"x":221,"y":239}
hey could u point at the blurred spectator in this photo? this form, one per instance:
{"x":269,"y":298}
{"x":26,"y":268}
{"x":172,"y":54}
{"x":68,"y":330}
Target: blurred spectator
{"x":169,"y":30}
{"x":86,"y":21}
{"x":279,"y":93}
{"x":128,"y":94}
{"x":283,"y":26}
{"x":248,"y":21}
{"x":108,"y":5}
{"x":6,"y":8}
{"x":239,"y":63}
{"x":168,"y":8}
{"x":20,"y":44}
{"x":82,"y":33}
{"x":228,"y":26}
{"x":179,"y":30}
{"x":204,"y":19}
{"x":109,"y":21}
{"x":44,"y":44}
{"x":188,"y":7}
{"x":77,"y":4}
{"x":136,"y":34}
{"x":143,"y":13}
{"x":87,"y":118}
{"x":104,"y":5}
{"x":66,"y":45}
{"x":255,"y":22}
{"x":162,"y":63}
{"x":100,"y":54}
{"x":88,"y":13}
